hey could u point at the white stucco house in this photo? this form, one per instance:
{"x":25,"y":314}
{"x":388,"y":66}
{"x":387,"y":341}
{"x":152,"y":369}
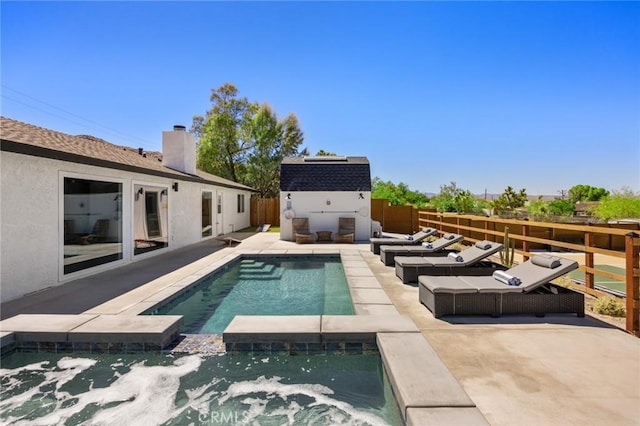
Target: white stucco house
{"x":324,"y":189}
{"x":72,"y":206}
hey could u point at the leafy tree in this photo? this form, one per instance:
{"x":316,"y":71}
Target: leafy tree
{"x":586,"y":193}
{"x":510,"y":199}
{"x":244,"y":141}
{"x":323,"y":153}
{"x":560,"y":207}
{"x":224,"y":133}
{"x":623,"y":204}
{"x":272,"y":140}
{"x":454,"y":199}
{"x":397,"y":195}
{"x":538,"y":207}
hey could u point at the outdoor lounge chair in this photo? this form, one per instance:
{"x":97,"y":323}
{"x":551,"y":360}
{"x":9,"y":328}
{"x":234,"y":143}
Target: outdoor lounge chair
{"x":406,"y":240}
{"x":435,"y":248}
{"x":346,"y":230}
{"x":467,"y":262}
{"x":491,"y":295}
{"x":301,"y":231}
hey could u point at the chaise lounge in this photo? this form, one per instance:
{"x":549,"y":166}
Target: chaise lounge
{"x":467,"y":262}
{"x":435,"y":248}
{"x":523,"y":289}
{"x":414,"y":239}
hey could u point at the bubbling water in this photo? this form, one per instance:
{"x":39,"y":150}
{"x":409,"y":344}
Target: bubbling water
{"x":189,"y":390}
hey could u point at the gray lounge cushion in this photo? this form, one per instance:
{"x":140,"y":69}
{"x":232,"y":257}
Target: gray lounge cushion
{"x":546,"y":261}
{"x":449,"y":236}
{"x":453,"y":285}
{"x":469,"y":256}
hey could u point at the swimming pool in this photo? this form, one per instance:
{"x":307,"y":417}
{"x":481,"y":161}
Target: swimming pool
{"x":261,"y":285}
{"x":162,"y":389}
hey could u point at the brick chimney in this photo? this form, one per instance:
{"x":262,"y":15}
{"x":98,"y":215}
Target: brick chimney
{"x":179,"y":150}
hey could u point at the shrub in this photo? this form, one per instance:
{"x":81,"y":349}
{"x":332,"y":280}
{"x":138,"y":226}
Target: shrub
{"x":609,"y":306}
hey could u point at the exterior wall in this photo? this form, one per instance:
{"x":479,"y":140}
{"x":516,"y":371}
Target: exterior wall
{"x":32,"y":209}
{"x":324,"y":209}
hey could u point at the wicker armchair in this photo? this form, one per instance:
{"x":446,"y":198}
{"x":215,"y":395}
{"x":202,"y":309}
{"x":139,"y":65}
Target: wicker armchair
{"x":301,"y":231}
{"x":346,"y":230}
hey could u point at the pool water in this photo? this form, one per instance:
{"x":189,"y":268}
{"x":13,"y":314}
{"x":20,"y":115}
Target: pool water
{"x":263,"y":286}
{"x":162,"y":389}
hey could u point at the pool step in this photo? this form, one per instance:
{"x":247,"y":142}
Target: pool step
{"x":260,"y":272}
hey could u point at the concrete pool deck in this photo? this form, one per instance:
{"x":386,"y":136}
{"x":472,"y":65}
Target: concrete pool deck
{"x":516,"y":369}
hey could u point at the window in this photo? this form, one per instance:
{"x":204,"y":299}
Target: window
{"x":150,"y":218}
{"x":92,"y":223}
{"x":240,"y":203}
{"x":207,"y":214}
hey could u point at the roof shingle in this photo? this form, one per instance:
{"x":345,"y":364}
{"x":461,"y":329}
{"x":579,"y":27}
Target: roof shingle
{"x":339,"y":174}
{"x":28,"y":139}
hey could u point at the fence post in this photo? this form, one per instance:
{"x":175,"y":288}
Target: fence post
{"x":632,"y":264}
{"x":525,"y":243}
{"x":589,"y":278}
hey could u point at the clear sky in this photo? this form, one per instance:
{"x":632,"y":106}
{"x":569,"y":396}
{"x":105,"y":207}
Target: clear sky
{"x":536,"y":95}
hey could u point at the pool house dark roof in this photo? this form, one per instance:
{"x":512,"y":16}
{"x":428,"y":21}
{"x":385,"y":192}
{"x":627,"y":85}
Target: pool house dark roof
{"x":27,"y":139}
{"x":326,"y":173}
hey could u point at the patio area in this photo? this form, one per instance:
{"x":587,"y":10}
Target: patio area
{"x":559,"y":369}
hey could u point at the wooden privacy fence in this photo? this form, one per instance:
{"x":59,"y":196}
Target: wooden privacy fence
{"x":398,"y":219}
{"x":618,"y":241}
{"x":265,"y":210}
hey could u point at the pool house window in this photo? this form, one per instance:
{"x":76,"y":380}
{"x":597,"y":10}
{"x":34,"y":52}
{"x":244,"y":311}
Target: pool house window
{"x":240,"y":203}
{"x":92,"y":223}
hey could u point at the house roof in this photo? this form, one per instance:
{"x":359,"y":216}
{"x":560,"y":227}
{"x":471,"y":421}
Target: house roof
{"x":325,"y":174}
{"x":23,"y":138}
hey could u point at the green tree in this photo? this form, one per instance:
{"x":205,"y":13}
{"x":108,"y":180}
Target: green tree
{"x":623,"y":204}
{"x":397,"y":195}
{"x":538,"y":207}
{"x":244,"y":141}
{"x":451,"y":198}
{"x":560,"y":207}
{"x":510,"y":199}
{"x":586,"y":193}
{"x":272,"y":140}
{"x":224,"y":133}
{"x":323,"y":153}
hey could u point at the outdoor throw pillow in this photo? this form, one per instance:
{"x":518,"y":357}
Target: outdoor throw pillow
{"x":484,"y":245}
{"x":546,"y":261}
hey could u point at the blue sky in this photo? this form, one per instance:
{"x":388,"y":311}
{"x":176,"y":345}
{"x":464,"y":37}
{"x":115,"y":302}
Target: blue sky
{"x":536,"y":95}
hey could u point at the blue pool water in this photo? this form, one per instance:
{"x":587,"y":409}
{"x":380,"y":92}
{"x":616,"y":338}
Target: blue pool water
{"x":147,"y":389}
{"x":263,"y":286}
